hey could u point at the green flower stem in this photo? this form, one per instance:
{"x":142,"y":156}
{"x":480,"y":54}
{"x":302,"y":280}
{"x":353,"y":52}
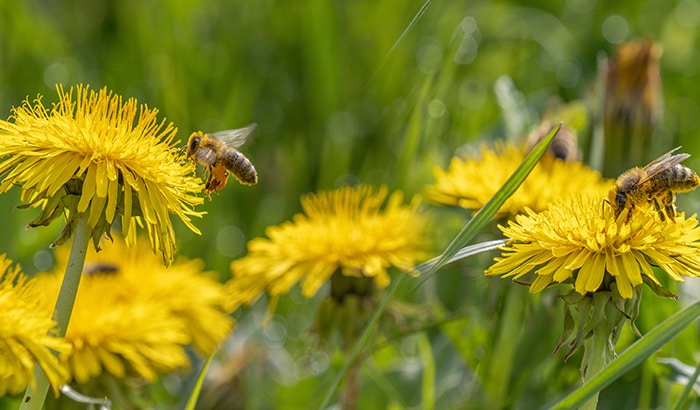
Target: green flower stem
{"x":497,"y":378}
{"x":597,"y":355}
{"x":35,"y":396}
{"x":351,"y":388}
{"x":639,"y":351}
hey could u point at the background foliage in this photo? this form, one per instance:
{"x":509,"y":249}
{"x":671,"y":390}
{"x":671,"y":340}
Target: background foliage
{"x":339,"y":100}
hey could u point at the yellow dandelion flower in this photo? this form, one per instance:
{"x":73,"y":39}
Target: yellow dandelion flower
{"x":580,"y":241}
{"x":98,"y":156}
{"x":471,"y":183}
{"x":25,"y":335}
{"x":134,"y":317}
{"x":193,"y":296}
{"x":344,"y":230}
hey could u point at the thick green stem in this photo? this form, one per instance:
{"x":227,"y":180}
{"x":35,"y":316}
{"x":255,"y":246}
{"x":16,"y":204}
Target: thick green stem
{"x":498,"y":374}
{"x":35,"y":396}
{"x":598,"y":355}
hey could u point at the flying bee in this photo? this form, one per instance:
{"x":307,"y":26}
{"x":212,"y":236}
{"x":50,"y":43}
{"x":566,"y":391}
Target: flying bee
{"x":218,"y":153}
{"x":656,"y":183}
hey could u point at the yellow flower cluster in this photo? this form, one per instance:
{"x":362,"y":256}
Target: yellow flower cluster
{"x":346,"y":230}
{"x":25,"y":334}
{"x":470,"y":183}
{"x":133,"y":316}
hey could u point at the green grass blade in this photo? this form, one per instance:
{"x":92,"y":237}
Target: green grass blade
{"x":415,"y":129}
{"x":194,"y":395}
{"x":485,"y":214}
{"x":399,"y":40}
{"x":464,"y":253}
{"x":681,"y":403}
{"x":631,"y":357}
{"x":468,"y":232}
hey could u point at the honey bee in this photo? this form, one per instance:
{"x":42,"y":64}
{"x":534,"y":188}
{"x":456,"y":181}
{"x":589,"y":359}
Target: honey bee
{"x":218,"y":153}
{"x":656,"y":183}
{"x":564,"y":145}
{"x":95,"y":268}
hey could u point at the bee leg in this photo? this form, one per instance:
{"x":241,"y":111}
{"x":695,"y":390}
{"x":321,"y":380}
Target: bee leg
{"x":602,"y":208}
{"x":211,"y":182}
{"x":206,"y":174}
{"x":220,"y":177}
{"x":630,"y":209}
{"x":210,"y":185}
{"x":669,"y":205}
{"x":659,"y":209}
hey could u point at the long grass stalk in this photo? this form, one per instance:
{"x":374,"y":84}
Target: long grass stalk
{"x":468,"y":232}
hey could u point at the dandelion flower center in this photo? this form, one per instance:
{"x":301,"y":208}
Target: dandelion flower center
{"x":579,"y":240}
{"x":99,"y":156}
{"x":346,"y":230}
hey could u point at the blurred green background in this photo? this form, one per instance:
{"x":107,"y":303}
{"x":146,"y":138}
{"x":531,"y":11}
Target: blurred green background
{"x":343,"y":94}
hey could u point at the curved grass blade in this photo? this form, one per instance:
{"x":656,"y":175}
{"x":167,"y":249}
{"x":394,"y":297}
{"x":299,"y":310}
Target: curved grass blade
{"x":485,"y":214}
{"x":631,"y":357}
{"x":468,"y":232}
{"x":104,"y":403}
{"x":197,"y":388}
{"x":464,"y":253}
{"x":398,"y":41}
{"x":691,"y":383}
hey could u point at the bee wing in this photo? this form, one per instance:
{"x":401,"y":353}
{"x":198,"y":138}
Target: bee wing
{"x":663,"y":163}
{"x":236,"y":137}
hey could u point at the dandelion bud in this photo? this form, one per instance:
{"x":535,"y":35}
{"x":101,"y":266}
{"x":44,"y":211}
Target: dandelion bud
{"x":632,"y":106}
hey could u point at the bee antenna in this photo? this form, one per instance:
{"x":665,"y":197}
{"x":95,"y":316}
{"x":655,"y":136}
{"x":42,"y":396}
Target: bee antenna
{"x":602,"y":207}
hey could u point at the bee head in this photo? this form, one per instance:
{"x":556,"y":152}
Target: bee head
{"x":620,"y":199}
{"x":193,"y":143}
{"x":617,"y":200}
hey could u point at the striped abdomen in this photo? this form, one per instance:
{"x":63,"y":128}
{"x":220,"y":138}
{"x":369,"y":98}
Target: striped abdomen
{"x":239,"y":166}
